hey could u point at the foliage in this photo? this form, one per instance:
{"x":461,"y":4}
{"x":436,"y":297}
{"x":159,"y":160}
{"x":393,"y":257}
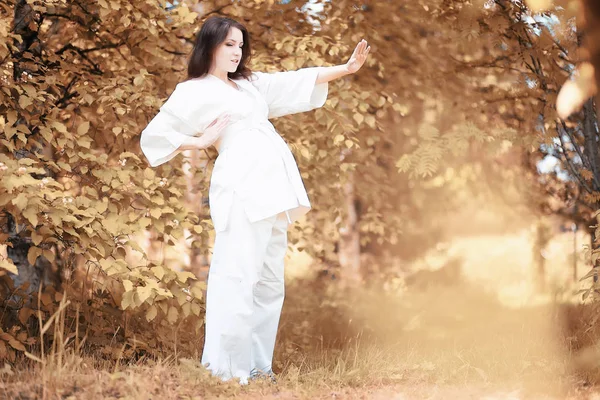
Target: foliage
{"x":76,"y":194}
{"x":81,"y":79}
{"x":72,"y":181}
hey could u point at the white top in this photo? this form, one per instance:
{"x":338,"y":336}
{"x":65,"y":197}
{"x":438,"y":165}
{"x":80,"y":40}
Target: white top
{"x":254,"y":161}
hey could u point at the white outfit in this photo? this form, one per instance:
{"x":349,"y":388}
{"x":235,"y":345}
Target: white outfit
{"x":254,"y":161}
{"x":255,"y":181}
{"x":245,"y":295}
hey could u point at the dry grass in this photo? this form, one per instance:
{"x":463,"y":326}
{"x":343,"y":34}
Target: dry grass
{"x":444,"y":340}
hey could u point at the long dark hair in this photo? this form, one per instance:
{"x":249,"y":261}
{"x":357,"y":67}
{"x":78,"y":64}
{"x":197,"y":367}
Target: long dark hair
{"x":214,"y":31}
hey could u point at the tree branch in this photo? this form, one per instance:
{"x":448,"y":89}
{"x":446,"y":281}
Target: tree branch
{"x":571,"y":167}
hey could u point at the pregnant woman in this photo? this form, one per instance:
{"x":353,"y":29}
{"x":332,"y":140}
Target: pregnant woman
{"x":255,"y":188}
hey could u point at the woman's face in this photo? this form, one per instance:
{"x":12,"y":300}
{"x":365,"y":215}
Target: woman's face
{"x":228,"y":54}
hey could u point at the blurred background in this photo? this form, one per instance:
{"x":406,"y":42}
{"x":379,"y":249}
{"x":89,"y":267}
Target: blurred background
{"x":455,"y":183}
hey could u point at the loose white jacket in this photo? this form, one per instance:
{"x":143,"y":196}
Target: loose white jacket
{"x":254,"y":161}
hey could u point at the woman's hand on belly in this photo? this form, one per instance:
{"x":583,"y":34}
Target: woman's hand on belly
{"x":209,"y":137}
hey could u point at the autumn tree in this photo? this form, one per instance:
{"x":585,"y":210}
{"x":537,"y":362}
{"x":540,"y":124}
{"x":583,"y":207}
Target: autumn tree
{"x":79,"y":80}
{"x":533,"y":49}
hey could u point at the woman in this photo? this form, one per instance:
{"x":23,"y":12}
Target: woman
{"x":255,"y":190}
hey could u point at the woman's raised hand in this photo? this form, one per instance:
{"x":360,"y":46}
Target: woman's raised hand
{"x":359,"y":56}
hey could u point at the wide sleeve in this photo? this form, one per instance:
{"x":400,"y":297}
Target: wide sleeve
{"x":291,"y":92}
{"x":163,"y":136}
{"x":192,"y":106}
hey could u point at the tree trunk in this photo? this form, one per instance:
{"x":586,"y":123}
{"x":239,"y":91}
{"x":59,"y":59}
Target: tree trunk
{"x":41,"y":272}
{"x":595,"y":246}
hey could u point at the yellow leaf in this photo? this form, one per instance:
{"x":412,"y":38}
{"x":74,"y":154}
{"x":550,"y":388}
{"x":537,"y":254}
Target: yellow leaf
{"x":105,"y":264}
{"x":33,"y":254}
{"x":9,"y":266}
{"x":172,"y":315}
{"x":24,"y":101}
{"x":15,"y":344}
{"x":112,"y":226}
{"x":158,"y":272}
{"x":149,"y":173}
{"x":183,"y":276}
{"x":20,"y":201}
{"x":36,"y":238}
{"x":370,"y":120}
{"x":151,"y":313}
{"x":48,"y":254}
{"x":196,"y":308}
{"x":84,"y":141}
{"x":288,"y":63}
{"x":64,"y":166}
{"x":158,"y":199}
{"x":198,"y":228}
{"x":181,"y":296}
{"x":101,"y":206}
{"x":59,"y":126}
{"x":186,"y":308}
{"x":136,"y":299}
{"x":196,"y":291}
{"x":127,"y":300}
{"x":135,"y":246}
{"x":144,"y":222}
{"x":358,"y":118}
{"x":128,"y":285}
{"x":338,"y":139}
{"x":183,"y":10}
{"x":169,"y":276}
{"x":190,"y":18}
{"x":144,"y":292}
{"x":83,"y":128}
{"x":31,"y":214}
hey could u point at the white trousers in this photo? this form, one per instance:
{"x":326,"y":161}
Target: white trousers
{"x":245,"y":294}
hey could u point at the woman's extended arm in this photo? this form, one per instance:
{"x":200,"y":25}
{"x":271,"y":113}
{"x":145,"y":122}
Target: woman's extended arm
{"x":356,"y":61}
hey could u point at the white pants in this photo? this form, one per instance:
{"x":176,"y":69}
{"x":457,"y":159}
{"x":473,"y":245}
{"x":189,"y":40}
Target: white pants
{"x":245,"y":294}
